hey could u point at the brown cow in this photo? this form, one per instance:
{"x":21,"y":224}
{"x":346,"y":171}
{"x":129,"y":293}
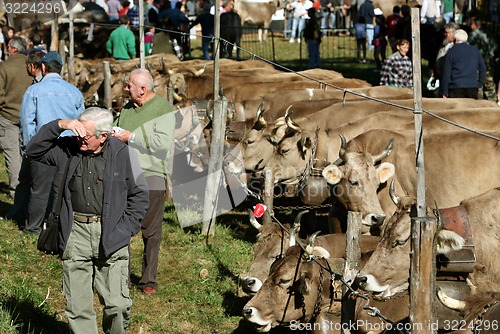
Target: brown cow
{"x":387,"y":271}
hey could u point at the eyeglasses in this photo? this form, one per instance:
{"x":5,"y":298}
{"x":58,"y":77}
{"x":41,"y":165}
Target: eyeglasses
{"x":88,"y":136}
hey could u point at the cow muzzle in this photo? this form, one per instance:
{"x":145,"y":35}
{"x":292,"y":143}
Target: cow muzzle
{"x":252,"y":315}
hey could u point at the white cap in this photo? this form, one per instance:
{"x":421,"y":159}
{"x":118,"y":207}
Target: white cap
{"x":378,"y":11}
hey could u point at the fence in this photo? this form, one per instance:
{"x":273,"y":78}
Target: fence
{"x":337,"y":46}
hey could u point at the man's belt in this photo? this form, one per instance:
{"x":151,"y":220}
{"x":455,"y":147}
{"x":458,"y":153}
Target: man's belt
{"x":86,"y":218}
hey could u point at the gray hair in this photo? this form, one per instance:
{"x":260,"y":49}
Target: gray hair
{"x":103,"y":119}
{"x":452,"y":26}
{"x":461,"y":35}
{"x":18,"y":43}
{"x":143,"y":78}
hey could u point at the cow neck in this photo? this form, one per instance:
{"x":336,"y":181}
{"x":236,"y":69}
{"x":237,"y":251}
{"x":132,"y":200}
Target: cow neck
{"x":309,"y":166}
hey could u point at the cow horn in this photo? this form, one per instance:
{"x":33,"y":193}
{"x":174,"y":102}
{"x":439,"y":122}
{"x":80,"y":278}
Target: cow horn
{"x":392,"y":193}
{"x":177,"y":97}
{"x":200,"y":71}
{"x":454,"y":304}
{"x":343,"y":147}
{"x":260,"y":112}
{"x":298,"y":218}
{"x":293,"y":235}
{"x":310,"y":242}
{"x":289,"y":122}
{"x":385,"y":152}
{"x":253,"y":220}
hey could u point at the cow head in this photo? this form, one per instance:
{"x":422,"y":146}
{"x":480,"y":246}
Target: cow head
{"x":290,"y":293}
{"x":387,"y":272}
{"x":272,"y":243}
{"x":258,"y":144}
{"x":357,"y":180}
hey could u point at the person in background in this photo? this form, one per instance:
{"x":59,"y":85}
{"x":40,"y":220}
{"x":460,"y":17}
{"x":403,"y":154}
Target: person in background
{"x":288,"y":19}
{"x":328,"y":19}
{"x":430,"y":11}
{"x":43,"y":102}
{"x":149,"y":37}
{"x":392,"y":22}
{"x":397,"y":69}
{"x":133,"y":15}
{"x":448,"y":10}
{"x":367,"y":11}
{"x":487,"y":47}
{"x":449,"y":38}
{"x":206,"y":20}
{"x":312,"y":35}
{"x":114,"y":8}
{"x":379,"y":41}
{"x":125,"y":8}
{"x":105,"y":197}
{"x":299,"y":18}
{"x":121,"y":42}
{"x":14,"y":80}
{"x":18,"y":211}
{"x":153,"y":12}
{"x":360,"y":27}
{"x":147,"y":124}
{"x":464,"y":69}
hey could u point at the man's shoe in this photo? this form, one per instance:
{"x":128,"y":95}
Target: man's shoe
{"x":149,"y":291}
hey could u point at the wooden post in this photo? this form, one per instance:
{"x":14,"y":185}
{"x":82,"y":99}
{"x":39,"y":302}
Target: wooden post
{"x":108,"y":99}
{"x":214,"y":166}
{"x":54,"y":33}
{"x":422,"y":275}
{"x":141,"y":34}
{"x":217,"y":142}
{"x":351,"y":267}
{"x":268,"y":194}
{"x":71,"y":63}
{"x":62,"y":53}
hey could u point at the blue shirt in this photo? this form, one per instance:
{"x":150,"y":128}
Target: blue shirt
{"x":50,"y":99}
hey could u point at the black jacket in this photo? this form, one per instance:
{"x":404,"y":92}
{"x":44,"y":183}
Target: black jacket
{"x":126,"y":194}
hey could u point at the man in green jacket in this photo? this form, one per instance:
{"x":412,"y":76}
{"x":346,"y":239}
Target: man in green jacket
{"x":14,"y":80}
{"x":147,"y":124}
{"x":121,"y":42}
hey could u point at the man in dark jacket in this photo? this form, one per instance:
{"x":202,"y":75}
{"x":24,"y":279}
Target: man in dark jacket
{"x":105,"y":196}
{"x":464,"y":70}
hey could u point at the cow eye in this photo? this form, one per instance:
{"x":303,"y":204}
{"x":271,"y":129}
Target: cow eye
{"x":249,"y":142}
{"x":353,"y":183}
{"x":284,"y":150}
{"x":399,"y":242}
{"x":284,"y":281}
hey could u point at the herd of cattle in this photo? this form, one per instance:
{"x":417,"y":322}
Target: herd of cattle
{"x":324,"y":135}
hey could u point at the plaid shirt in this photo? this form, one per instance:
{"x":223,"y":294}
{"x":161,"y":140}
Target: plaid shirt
{"x":133,"y":14}
{"x":397,"y":71}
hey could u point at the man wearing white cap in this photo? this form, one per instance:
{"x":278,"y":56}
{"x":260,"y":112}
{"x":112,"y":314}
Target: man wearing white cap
{"x":464,"y":69}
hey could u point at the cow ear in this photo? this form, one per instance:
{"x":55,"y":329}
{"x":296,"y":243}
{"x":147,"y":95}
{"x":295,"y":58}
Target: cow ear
{"x":448,"y":241}
{"x":385,"y":171}
{"x":333,"y":174}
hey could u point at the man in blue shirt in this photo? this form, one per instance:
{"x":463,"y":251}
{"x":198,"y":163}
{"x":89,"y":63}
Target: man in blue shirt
{"x":52,"y":98}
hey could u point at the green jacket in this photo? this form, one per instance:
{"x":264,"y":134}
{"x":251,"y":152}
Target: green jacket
{"x":14,"y":80}
{"x":153,"y":126}
{"x":121,"y":43}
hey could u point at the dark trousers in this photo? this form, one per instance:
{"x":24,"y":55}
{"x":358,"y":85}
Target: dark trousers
{"x":471,"y":93}
{"x":151,"y":237}
{"x":34,"y":194}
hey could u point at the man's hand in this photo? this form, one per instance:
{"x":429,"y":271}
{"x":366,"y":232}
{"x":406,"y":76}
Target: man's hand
{"x":123,"y":135}
{"x":73,"y":125}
